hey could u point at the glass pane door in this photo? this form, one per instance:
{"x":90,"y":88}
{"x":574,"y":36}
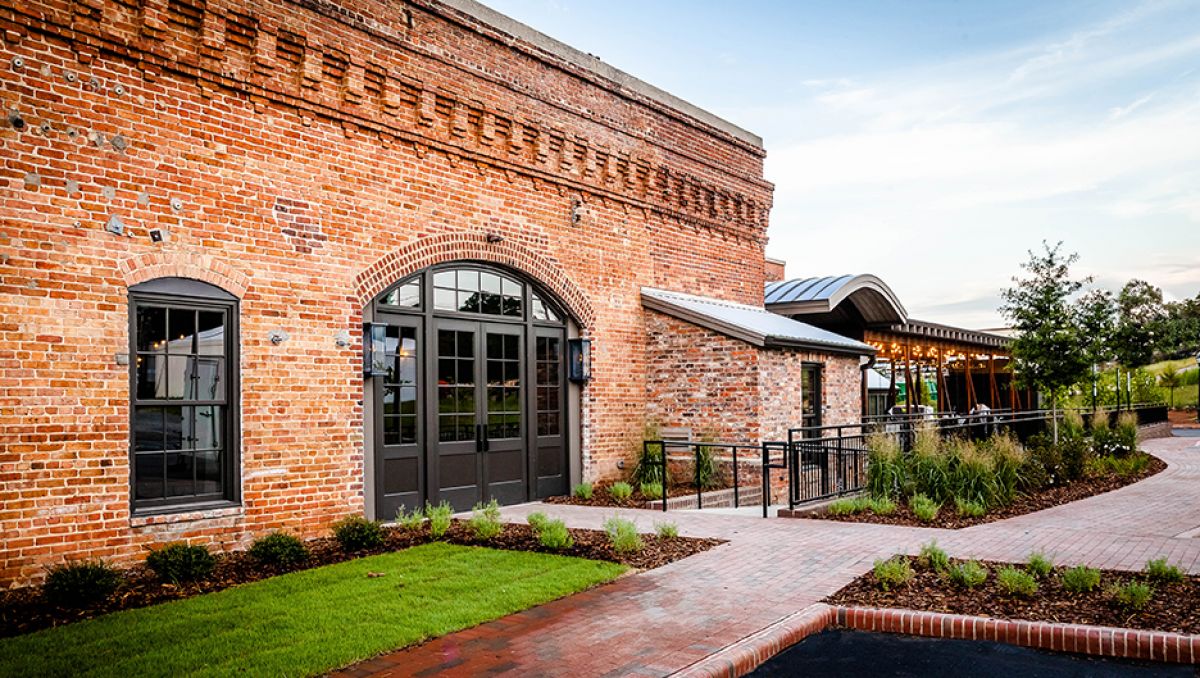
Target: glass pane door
{"x":504,"y":458}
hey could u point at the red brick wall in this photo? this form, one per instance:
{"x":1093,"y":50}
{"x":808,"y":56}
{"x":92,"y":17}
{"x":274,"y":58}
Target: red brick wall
{"x":715,"y":385}
{"x":779,"y":384}
{"x":391,"y":146}
{"x":701,"y":381}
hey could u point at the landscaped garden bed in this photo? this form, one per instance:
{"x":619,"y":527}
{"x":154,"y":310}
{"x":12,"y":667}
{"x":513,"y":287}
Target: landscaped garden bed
{"x":954,"y":482}
{"x":1159,"y":598}
{"x":29,"y":609}
{"x":1096,"y":482}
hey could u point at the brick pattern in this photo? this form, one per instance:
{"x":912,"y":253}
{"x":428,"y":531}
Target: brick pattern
{"x":749,"y":653}
{"x":302,"y":155}
{"x":754,"y":650}
{"x":779,"y":389}
{"x":760,"y":590}
{"x":1104,"y":641}
{"x":711,"y":384}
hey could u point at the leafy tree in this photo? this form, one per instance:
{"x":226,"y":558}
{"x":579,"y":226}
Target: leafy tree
{"x":1180,"y":335}
{"x":1140,"y":323}
{"x":1050,"y":351}
{"x":1096,"y":313}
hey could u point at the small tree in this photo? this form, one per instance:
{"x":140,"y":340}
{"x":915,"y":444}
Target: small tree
{"x":1170,"y":380}
{"x":1096,"y":314}
{"x":1050,"y":350}
{"x":1140,"y":323}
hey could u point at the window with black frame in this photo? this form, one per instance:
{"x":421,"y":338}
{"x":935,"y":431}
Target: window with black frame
{"x":810,"y":392}
{"x":184,"y":368}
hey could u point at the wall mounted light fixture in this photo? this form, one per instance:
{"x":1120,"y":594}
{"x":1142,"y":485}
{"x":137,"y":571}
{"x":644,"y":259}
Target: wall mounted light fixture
{"x":374,"y":349}
{"x":579,"y":360}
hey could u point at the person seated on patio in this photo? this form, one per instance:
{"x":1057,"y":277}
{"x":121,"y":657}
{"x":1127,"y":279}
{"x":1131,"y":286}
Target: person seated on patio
{"x":980,"y":410}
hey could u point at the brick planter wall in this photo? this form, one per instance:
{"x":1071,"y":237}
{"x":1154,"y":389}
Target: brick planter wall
{"x":303,"y":156}
{"x":744,"y":656}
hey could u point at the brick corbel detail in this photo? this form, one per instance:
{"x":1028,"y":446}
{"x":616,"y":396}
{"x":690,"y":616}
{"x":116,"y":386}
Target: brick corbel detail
{"x":139,"y":269}
{"x":439,"y":249}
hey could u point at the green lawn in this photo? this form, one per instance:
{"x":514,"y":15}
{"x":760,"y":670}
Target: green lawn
{"x":307,"y":622}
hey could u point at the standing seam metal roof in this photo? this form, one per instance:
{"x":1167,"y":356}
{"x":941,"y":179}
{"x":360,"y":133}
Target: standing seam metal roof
{"x":752,"y":324}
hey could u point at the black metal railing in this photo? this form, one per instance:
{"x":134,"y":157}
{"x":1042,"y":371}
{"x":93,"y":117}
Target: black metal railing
{"x":822,"y":462}
{"x":726,"y":460}
{"x":830,"y":461}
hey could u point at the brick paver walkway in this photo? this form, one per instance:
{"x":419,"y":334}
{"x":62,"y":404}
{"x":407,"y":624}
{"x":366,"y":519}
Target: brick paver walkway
{"x":658,"y":622}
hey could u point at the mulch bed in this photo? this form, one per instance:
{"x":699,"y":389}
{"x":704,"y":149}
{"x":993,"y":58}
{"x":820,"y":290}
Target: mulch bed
{"x":1049,"y":497}
{"x":25,"y":610}
{"x":1173,"y":607}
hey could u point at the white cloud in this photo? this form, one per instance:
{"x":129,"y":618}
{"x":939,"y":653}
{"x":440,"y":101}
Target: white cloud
{"x":940,"y":180}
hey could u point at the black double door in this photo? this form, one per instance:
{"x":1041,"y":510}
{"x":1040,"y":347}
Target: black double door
{"x":470,"y":411}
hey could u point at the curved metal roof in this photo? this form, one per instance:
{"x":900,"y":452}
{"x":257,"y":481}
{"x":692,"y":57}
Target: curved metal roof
{"x":871,"y":296}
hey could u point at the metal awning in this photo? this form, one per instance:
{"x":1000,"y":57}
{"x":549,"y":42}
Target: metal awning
{"x":752,"y":324}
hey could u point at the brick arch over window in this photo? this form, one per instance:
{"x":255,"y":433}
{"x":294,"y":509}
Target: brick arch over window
{"x":439,"y":249}
{"x":202,"y":267}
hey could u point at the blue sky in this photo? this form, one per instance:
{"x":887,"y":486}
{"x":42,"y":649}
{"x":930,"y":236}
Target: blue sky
{"x":934,"y":143}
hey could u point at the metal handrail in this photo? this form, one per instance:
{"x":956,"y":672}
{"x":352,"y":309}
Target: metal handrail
{"x":695,"y":446}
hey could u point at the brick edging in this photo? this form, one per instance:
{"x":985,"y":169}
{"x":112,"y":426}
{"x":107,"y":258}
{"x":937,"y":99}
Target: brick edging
{"x":748,"y":653}
{"x":1104,"y":641}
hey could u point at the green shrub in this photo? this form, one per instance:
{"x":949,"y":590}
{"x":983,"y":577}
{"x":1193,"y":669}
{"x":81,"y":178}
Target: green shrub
{"x":1132,"y":595}
{"x":651,"y":490}
{"x":484,"y":522}
{"x":439,"y":518}
{"x":1104,"y":441}
{"x":649,"y":467}
{"x":1125,"y":434}
{"x":885,"y":465}
{"x":928,"y":468}
{"x":1129,"y":465}
{"x":179,"y":563}
{"x":554,"y":535}
{"x":1075,"y":453}
{"x":881,"y":506}
{"x":924,"y":508}
{"x":666,"y":530}
{"x":80,"y":584}
{"x":279,"y":549}
{"x":620,"y":491}
{"x":1072,"y":425}
{"x":356,"y":533}
{"x":933,"y":558}
{"x":582,"y":491}
{"x":410,"y":522}
{"x":1039,"y":565}
{"x":847,"y":506}
{"x":1009,"y":461}
{"x":970,"y":473}
{"x":1016,"y":582}
{"x":968,"y":508}
{"x":1043,"y":464}
{"x":968,"y":575}
{"x":893,"y":572}
{"x":1160,"y":571}
{"x":623,"y":535}
{"x":537,"y":521}
{"x":1080,"y":579}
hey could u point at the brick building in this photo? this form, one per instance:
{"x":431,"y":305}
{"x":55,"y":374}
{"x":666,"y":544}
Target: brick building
{"x":205,"y":202}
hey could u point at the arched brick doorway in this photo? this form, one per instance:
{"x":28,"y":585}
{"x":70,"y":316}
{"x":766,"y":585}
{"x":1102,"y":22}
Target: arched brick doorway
{"x":472,"y":402}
